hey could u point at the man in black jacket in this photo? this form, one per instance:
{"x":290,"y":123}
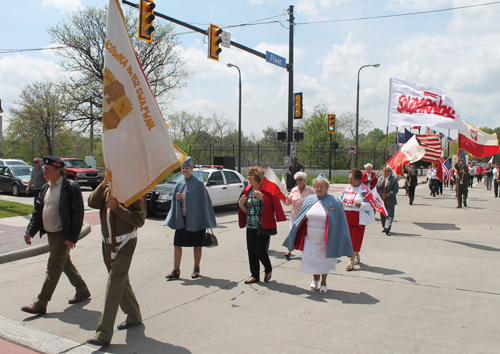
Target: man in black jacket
{"x":59,"y":213}
{"x":412,"y":179}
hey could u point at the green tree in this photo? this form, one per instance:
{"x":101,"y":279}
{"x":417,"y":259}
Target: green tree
{"x":41,"y":103}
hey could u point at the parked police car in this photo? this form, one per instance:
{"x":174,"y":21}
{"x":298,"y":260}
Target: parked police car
{"x":223,"y":185}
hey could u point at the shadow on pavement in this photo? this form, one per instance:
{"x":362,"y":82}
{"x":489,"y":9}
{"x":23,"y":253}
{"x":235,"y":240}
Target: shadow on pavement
{"x":384,"y":271}
{"x":437,"y":226}
{"x":208,"y":282}
{"x":332,"y":294}
{"x":400,"y":234}
{"x":476,"y":246}
{"x":74,"y":314}
{"x":137,"y":342}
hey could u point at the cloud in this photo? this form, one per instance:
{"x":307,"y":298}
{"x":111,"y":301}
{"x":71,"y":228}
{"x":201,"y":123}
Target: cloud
{"x":62,"y":5}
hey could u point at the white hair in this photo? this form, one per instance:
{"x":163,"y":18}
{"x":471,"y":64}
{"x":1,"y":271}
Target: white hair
{"x":317,"y":180}
{"x":368,"y":164}
{"x":300,"y":174}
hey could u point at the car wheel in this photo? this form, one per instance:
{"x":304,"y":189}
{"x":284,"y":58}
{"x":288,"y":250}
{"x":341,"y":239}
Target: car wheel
{"x":15,"y":190}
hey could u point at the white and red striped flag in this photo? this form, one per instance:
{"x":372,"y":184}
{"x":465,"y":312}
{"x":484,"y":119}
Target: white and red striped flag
{"x":272,"y":184}
{"x":478,"y":143}
{"x":376,"y":201}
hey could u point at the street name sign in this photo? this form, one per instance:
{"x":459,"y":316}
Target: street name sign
{"x":275,"y":59}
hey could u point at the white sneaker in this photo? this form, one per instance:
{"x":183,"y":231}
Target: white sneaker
{"x":323,"y":289}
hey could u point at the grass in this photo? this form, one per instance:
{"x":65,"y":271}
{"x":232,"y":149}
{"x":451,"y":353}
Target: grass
{"x":9,"y":209}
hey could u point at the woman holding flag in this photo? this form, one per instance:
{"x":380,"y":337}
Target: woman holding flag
{"x":258,"y":212}
{"x":358,"y":211}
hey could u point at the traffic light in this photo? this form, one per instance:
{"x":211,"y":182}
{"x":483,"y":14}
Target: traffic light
{"x":281,"y":136}
{"x":298,"y":136}
{"x":146,"y":18}
{"x":331,"y":126}
{"x":298,"y":106}
{"x":214,"y":41}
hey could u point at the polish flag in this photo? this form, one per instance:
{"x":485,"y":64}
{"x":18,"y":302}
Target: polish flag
{"x":410,"y":152}
{"x":376,"y":201}
{"x":476,"y":142}
{"x":283,"y":181}
{"x":491,"y":160}
{"x":271,"y":183}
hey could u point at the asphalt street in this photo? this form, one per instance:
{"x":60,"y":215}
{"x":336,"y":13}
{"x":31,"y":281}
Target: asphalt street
{"x":431,"y":287}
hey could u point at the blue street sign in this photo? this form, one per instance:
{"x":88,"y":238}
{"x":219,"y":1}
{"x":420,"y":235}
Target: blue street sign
{"x":275,"y":59}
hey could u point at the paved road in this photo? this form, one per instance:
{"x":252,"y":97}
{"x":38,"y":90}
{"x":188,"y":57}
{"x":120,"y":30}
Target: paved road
{"x":431,"y":287}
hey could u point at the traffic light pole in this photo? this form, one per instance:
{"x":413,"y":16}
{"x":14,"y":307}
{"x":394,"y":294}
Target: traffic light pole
{"x":199,"y":30}
{"x":290,"y":82}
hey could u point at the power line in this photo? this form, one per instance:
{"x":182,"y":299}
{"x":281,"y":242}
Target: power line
{"x":8,"y":51}
{"x":399,"y":15}
{"x":327,"y":7}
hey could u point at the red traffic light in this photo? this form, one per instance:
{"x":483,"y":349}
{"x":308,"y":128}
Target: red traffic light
{"x":150,"y":7}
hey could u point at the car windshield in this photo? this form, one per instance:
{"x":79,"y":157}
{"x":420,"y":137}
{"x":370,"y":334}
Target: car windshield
{"x":15,"y":162}
{"x":198,"y":174}
{"x":21,"y":171}
{"x":75,"y":163}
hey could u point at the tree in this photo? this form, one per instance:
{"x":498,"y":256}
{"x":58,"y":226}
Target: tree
{"x":83,"y":35}
{"x":41,"y":104}
{"x":346,"y":124}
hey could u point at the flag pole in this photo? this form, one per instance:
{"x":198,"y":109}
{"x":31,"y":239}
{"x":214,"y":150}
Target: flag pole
{"x":387,"y":128}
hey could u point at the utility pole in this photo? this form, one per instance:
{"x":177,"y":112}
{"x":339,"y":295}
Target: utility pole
{"x":91,"y":130}
{"x":290,"y":81}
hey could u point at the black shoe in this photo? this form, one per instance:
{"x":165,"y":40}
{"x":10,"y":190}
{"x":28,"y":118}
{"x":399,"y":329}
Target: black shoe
{"x":287,"y":255}
{"x":79,"y":297}
{"x":196,"y":273}
{"x":459,"y":206}
{"x":388,"y":233}
{"x":126,"y":325}
{"x":465,"y":204}
{"x":175,"y":274}
{"x":384,"y":230}
{"x":98,"y":341}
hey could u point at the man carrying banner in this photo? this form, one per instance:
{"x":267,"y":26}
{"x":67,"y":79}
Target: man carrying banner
{"x":388,"y":188}
{"x":462,"y":185}
{"x":116,"y":219}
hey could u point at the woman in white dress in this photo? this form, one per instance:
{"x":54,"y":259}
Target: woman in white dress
{"x":322,"y":233}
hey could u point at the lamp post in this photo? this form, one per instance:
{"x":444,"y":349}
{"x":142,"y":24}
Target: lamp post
{"x":357,"y":113}
{"x":229,"y":65}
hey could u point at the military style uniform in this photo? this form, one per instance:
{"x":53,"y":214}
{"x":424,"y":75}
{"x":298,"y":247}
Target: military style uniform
{"x":412,"y":180}
{"x":119,"y":292}
{"x":462,"y":184}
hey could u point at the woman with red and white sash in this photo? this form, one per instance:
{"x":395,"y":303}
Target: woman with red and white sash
{"x":358,"y":211}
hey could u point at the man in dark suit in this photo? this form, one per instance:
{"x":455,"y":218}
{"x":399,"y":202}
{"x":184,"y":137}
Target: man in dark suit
{"x":388,"y":188}
{"x":412,"y":180}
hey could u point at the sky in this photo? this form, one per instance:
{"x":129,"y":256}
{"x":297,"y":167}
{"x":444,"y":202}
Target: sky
{"x":457,"y":51}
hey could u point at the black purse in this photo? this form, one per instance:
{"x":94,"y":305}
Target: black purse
{"x":209,"y":239}
{"x":266,"y":232}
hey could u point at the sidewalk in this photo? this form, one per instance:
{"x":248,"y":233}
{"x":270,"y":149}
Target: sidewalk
{"x":430,"y":287}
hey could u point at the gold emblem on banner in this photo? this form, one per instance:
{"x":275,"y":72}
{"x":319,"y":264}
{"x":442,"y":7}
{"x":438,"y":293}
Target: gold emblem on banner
{"x":116,"y":105}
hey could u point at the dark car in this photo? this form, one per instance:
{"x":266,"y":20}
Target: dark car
{"x":15,"y":179}
{"x":11,"y":162}
{"x":77,"y":170}
{"x":223,"y":185}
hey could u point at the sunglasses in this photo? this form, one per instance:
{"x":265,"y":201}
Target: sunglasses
{"x":36,"y":161}
{"x":299,"y":179}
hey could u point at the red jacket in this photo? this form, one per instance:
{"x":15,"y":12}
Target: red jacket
{"x":272,"y":211}
{"x":373,"y":181}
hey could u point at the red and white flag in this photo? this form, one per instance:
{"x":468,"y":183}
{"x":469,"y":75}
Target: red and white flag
{"x":376,"y":202}
{"x":413,"y":104}
{"x":410,"y":152}
{"x":283,"y":181}
{"x":491,"y":160}
{"x":476,"y":142}
{"x":138,"y":152}
{"x":272,"y":184}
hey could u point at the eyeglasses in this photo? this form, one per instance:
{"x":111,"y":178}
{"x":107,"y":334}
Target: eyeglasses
{"x":36,"y":161}
{"x":299,"y":179}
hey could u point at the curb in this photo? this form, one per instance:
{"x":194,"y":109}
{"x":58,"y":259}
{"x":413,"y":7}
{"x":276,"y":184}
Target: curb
{"x":39,"y":340}
{"x":35,"y":251}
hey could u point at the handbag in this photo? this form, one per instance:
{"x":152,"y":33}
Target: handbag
{"x":266,"y":232}
{"x":209,"y":239}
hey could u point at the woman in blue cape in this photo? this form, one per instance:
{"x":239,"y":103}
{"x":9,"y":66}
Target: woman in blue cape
{"x":191,"y":213}
{"x":321,"y":232}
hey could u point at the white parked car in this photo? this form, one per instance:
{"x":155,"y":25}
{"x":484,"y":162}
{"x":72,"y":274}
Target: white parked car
{"x":223,"y":185}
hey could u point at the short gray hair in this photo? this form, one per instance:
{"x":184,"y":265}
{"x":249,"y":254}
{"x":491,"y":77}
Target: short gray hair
{"x":317,"y":180}
{"x":368,"y":164}
{"x":300,"y":174}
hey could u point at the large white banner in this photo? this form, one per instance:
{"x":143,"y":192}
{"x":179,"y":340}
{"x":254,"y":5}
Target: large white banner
{"x":138,"y":151}
{"x":413,"y":104}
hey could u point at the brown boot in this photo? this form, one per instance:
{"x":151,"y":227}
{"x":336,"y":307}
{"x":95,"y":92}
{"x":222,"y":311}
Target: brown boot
{"x":79,"y":297}
{"x":35,"y":309}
